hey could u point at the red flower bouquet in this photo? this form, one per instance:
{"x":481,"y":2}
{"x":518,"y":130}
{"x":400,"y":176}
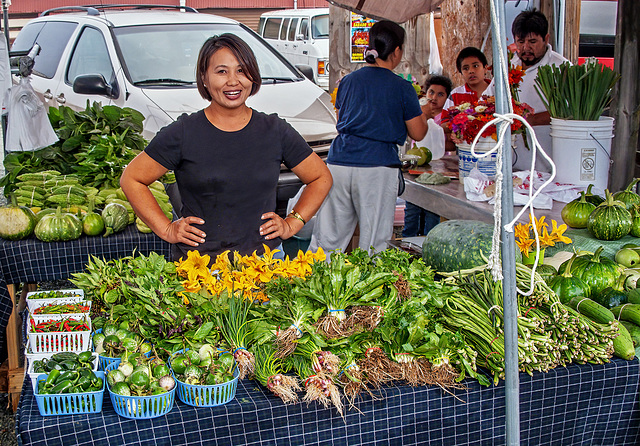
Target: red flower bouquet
{"x":466,"y":120}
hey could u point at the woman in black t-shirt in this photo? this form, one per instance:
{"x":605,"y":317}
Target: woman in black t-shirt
{"x":226,"y":159}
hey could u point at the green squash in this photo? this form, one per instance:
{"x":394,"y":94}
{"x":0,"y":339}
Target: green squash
{"x":92,"y":222}
{"x":116,"y":218}
{"x":44,"y":212}
{"x":628,"y":196}
{"x":568,"y":286}
{"x":576,"y":213}
{"x":58,"y":227}
{"x":635,"y":221}
{"x":610,"y":220}
{"x":16,"y":222}
{"x":595,"y":271}
{"x":613,"y":295}
{"x":592,"y":198}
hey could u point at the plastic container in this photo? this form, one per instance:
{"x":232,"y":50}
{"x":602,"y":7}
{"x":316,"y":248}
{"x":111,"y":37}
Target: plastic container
{"x":206,"y":396}
{"x":59,"y":341}
{"x":74,"y":295}
{"x":70,"y":403}
{"x":581,"y":151}
{"x":466,"y":160}
{"x":31,"y":356}
{"x":141,"y":407}
{"x":105,"y":361}
{"x":35,"y":304}
{"x":34,"y":376}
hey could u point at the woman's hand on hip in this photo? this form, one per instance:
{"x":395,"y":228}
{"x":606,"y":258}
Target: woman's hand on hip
{"x":275,"y":226}
{"x":182,"y":231}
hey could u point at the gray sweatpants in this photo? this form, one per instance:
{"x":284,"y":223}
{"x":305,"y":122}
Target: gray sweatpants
{"x":360,"y":195}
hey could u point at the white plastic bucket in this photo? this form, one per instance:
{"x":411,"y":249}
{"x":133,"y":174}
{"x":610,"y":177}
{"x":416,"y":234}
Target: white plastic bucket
{"x":581,"y":151}
{"x":466,"y":160}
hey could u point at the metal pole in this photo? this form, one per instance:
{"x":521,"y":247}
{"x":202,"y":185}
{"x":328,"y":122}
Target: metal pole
{"x":5,"y":19}
{"x":512,"y":385}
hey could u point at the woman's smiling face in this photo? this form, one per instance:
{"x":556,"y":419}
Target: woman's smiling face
{"x":226,"y":81}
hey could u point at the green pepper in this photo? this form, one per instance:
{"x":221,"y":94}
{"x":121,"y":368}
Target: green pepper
{"x":70,"y":375}
{"x":85,"y":357}
{"x":84,"y":382}
{"x":53,"y":377}
{"x":41,"y":387}
{"x":85,"y":372}
{"x":69,"y":364}
{"x":62,"y":387}
{"x":64,"y":356}
{"x":96,"y":385}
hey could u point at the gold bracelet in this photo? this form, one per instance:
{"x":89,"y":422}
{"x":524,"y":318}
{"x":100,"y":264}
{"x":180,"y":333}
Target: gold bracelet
{"x":295,"y":215}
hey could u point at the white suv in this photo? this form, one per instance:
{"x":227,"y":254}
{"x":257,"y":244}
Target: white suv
{"x":144,"y":57}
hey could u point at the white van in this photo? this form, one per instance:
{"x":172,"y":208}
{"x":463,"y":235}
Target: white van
{"x":302,"y":36}
{"x":145,"y":58}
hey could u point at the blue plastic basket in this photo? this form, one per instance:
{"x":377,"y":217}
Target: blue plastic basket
{"x":141,"y":407}
{"x":207,"y":396}
{"x":70,"y":403}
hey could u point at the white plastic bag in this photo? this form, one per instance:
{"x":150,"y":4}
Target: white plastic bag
{"x":28,"y":126}
{"x":434,"y":140}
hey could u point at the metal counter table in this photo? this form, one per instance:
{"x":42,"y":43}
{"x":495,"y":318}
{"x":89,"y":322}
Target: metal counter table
{"x":31,"y":261}
{"x":449,"y":200}
{"x":577,"y":405}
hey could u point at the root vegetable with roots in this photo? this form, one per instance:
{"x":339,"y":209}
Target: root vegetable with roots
{"x":246,"y":362}
{"x":378,"y":368}
{"x":362,"y":318}
{"x":323,"y":390}
{"x":268,"y":372}
{"x":330,"y":325}
{"x":285,"y":387}
{"x":285,"y":341}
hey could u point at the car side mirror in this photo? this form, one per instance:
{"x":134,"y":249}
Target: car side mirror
{"x":306,"y":70}
{"x":299,"y":36}
{"x":95,"y":84}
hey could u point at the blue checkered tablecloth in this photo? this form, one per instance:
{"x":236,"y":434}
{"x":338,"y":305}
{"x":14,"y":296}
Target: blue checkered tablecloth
{"x":31,"y":260}
{"x":576,"y":405}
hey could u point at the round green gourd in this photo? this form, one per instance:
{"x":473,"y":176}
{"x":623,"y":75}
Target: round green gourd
{"x":592,"y":198}
{"x":610,"y":220}
{"x":635,"y":221}
{"x":595,"y":271}
{"x":568,"y":286}
{"x":116,"y":218}
{"x":16,"y":222}
{"x":92,"y":223}
{"x":613,"y":295}
{"x":44,"y":212}
{"x":547,"y":272}
{"x":628,"y":196}
{"x":576,"y":213}
{"x":58,"y":227}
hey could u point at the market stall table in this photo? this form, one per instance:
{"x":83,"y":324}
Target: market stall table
{"x":449,"y":200}
{"x":577,"y":405}
{"x":31,"y":261}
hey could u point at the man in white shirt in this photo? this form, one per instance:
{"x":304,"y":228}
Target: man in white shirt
{"x":530,"y":30}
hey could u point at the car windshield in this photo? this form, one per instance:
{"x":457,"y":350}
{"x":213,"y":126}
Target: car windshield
{"x":168,"y":54}
{"x":320,"y":27}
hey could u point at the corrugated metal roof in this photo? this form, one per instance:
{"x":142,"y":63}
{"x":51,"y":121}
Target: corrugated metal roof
{"x":37,"y":6}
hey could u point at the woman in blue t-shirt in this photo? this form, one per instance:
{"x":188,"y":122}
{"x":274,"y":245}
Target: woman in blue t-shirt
{"x":226,"y":159}
{"x":376,"y":110}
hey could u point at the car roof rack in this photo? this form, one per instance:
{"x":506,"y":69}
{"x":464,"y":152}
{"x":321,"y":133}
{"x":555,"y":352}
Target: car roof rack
{"x":95,"y":9}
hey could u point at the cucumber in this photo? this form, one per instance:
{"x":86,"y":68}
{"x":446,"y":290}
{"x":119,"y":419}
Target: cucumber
{"x":591,"y":309}
{"x":623,"y":345}
{"x":627,"y":312}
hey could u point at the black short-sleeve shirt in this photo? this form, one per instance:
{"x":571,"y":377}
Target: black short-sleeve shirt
{"x":228,"y":179}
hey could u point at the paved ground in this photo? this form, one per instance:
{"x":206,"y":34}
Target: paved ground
{"x":7,"y":423}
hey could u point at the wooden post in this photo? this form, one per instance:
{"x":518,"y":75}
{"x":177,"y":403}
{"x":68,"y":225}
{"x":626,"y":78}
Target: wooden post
{"x":14,"y":343}
{"x":625,"y":107}
{"x":572,"y":30}
{"x":464,"y":23}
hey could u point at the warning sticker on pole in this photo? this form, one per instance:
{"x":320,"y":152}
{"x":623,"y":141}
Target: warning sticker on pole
{"x":588,"y":164}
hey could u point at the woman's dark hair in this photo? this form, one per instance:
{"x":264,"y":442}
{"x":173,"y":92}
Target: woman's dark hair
{"x":470,"y":51}
{"x":528,"y":22}
{"x":240,"y":50}
{"x":443,"y":81}
{"x":384,"y":37}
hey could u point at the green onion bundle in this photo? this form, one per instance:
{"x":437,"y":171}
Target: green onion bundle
{"x":269,"y":373}
{"x":576,"y":92}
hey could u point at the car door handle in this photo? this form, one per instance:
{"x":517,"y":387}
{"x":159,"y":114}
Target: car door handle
{"x":47,"y":94}
{"x":305,"y":52}
{"x":60,"y":99}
